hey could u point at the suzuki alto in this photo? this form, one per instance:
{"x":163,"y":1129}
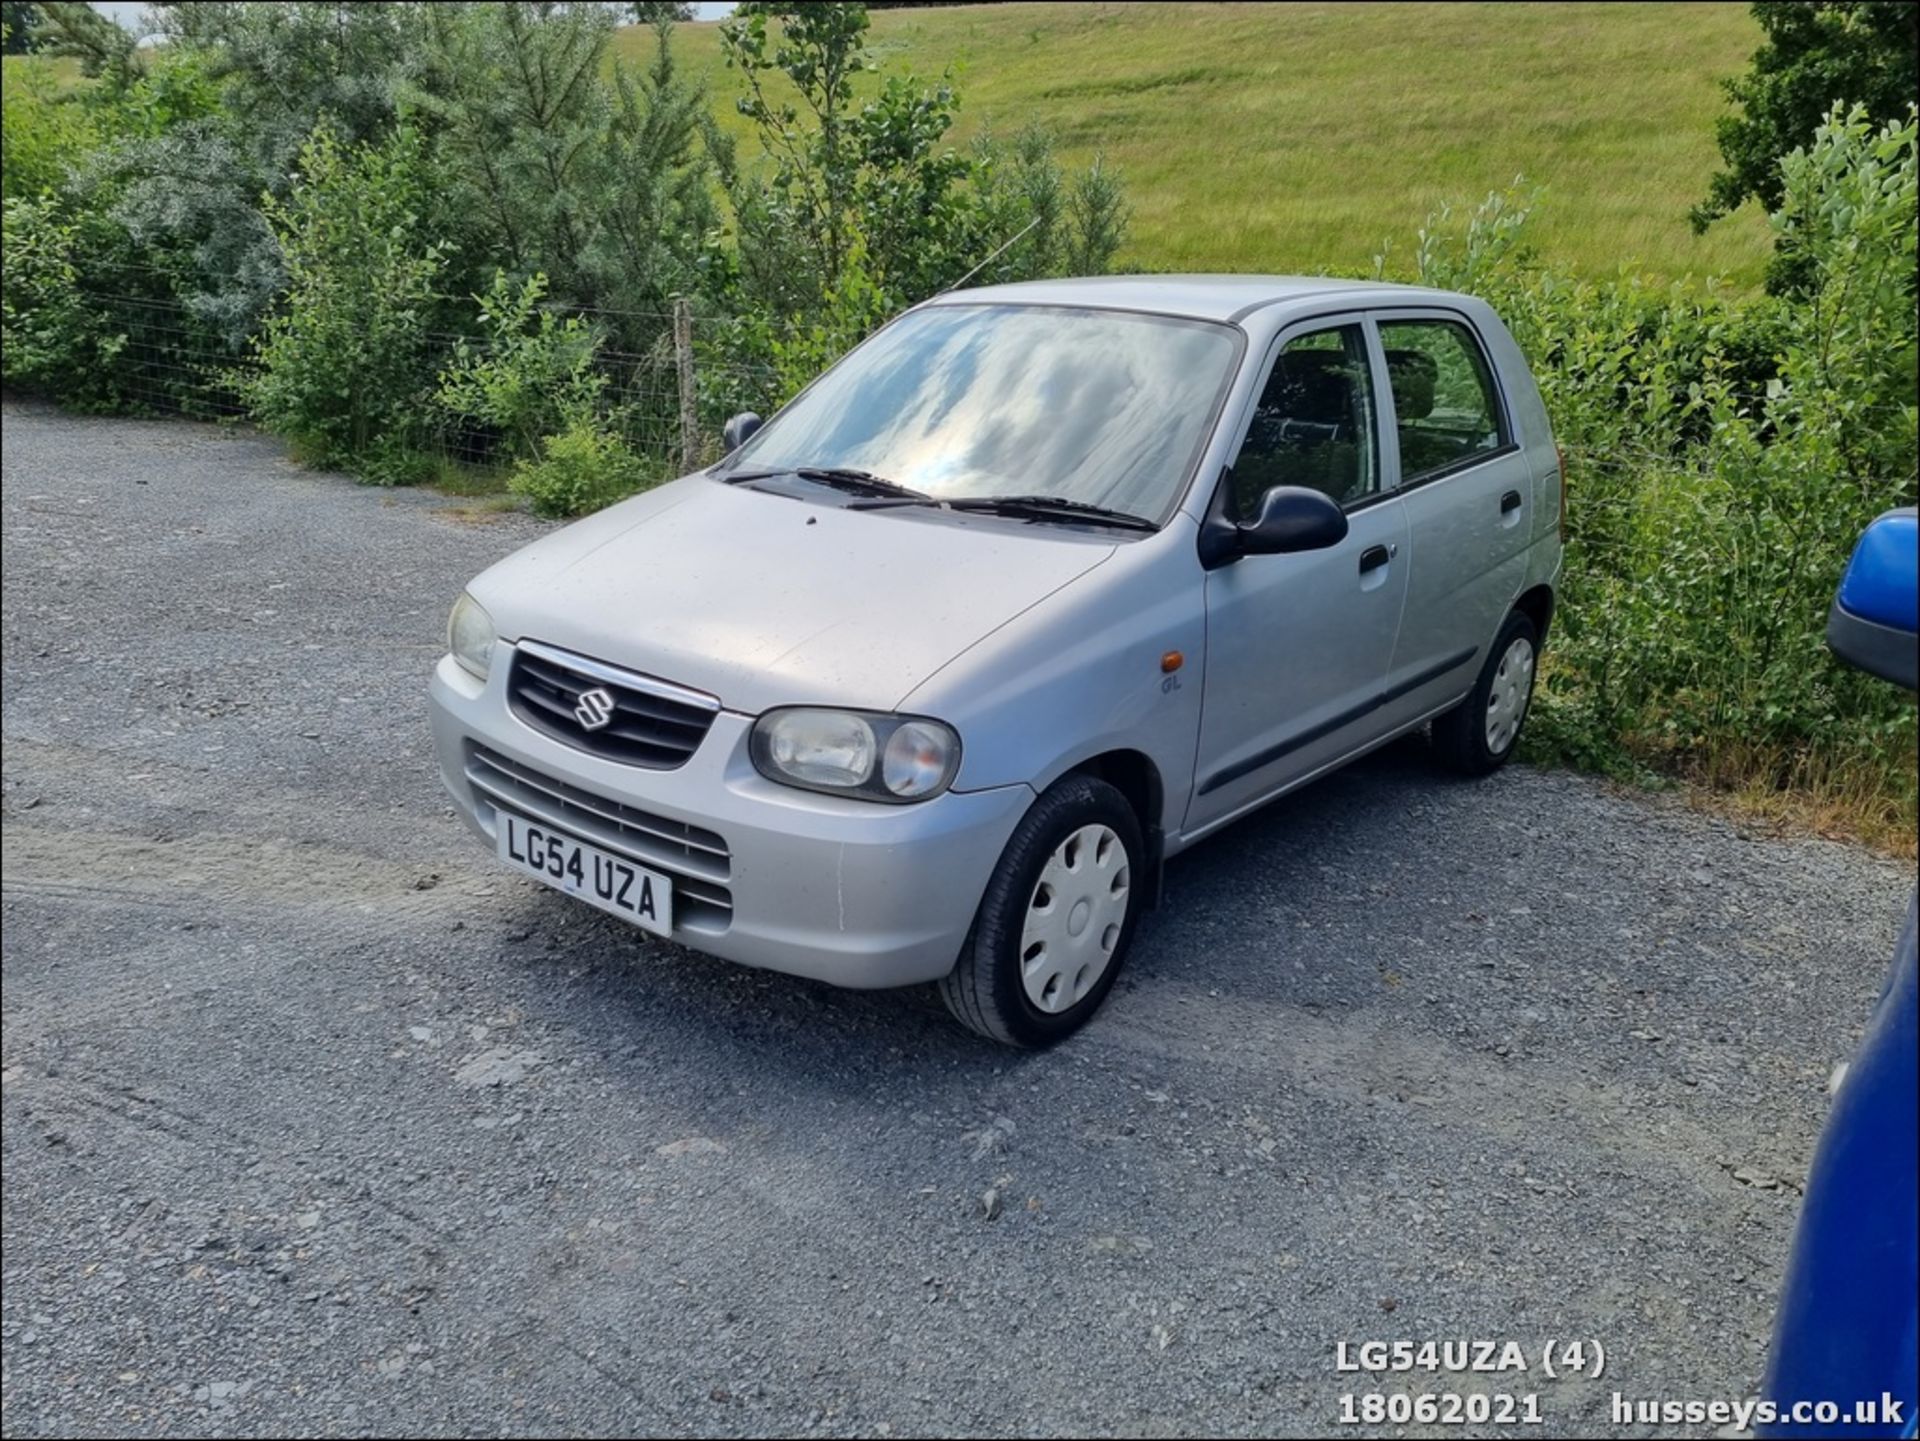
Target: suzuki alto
{"x":927,"y":678}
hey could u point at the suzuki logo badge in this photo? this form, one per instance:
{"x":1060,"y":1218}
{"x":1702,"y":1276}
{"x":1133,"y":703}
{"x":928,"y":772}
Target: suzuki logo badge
{"x":594,"y":710}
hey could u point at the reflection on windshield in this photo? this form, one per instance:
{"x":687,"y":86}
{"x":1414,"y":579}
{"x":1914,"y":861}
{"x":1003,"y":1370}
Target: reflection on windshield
{"x":977,"y":400}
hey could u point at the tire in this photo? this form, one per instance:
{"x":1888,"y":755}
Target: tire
{"x":1477,"y":736}
{"x":1083,"y":842}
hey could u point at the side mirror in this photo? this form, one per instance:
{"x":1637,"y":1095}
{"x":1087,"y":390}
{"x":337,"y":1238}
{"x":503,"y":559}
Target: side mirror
{"x":1876,"y":614}
{"x":1291,"y":518}
{"x":740,"y":430}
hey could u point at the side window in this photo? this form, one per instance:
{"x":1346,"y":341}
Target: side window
{"x":1445,"y":405}
{"x":1314,"y":422}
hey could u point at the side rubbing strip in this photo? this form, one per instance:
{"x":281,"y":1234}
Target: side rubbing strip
{"x":1229,"y":774}
{"x":1432,"y":673}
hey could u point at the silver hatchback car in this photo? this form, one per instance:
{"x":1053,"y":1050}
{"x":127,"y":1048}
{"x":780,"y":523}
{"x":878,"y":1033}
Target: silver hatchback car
{"x":1036,"y":588}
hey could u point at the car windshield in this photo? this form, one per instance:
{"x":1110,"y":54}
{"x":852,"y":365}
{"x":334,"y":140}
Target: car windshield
{"x":1101,"y":407}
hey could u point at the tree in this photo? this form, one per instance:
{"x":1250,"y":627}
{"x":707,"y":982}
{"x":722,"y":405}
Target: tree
{"x":819,"y":48}
{"x":652,"y":12}
{"x":104,"y":50}
{"x":558,"y":163}
{"x":19,"y":19}
{"x":243,"y":87}
{"x":1818,"y":53}
{"x":519,"y":107}
{"x":657,"y":206}
{"x":876,"y":186}
{"x":285,"y":66}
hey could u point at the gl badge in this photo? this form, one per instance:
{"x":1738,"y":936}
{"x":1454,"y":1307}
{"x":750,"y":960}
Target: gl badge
{"x":594,"y":709}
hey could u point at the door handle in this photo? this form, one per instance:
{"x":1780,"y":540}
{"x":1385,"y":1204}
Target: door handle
{"x":1510,"y":502}
{"x":1373,"y":557}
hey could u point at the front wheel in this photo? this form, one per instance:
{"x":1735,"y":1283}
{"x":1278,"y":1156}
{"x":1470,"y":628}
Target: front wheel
{"x":1056,"y":919}
{"x":1477,"y":736}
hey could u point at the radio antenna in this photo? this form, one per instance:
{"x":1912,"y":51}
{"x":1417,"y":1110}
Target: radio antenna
{"x":993,"y":257}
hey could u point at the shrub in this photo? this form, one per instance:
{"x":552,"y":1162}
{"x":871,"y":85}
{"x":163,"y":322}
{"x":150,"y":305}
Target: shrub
{"x":1723,"y":456}
{"x":1056,"y":225}
{"x":393,"y":459}
{"x":855,"y":305}
{"x":344,"y":364}
{"x":531,"y":374}
{"x":580,"y":469}
{"x":53,"y":337}
{"x":863,"y":208}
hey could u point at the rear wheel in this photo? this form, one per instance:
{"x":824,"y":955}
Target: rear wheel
{"x":1056,"y":919}
{"x":1477,"y":736}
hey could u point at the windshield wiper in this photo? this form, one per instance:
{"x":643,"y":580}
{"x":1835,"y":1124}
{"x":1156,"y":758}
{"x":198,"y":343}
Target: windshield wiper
{"x":838,"y":477}
{"x":859,"y":482}
{"x":1031,"y":507}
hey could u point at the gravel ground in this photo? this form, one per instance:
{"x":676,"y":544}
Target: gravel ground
{"x":317,"y":1122}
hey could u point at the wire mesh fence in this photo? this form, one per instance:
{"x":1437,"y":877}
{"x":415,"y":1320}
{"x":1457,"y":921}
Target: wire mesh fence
{"x":667,"y":402}
{"x":163,"y":360}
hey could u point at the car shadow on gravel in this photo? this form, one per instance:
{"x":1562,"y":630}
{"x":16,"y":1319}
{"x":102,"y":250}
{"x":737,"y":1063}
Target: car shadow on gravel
{"x":620,"y":984}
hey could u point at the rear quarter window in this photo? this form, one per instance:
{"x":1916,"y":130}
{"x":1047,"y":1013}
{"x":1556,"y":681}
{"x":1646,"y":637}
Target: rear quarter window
{"x":1446,"y":405}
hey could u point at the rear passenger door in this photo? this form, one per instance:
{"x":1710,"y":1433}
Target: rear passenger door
{"x":1460,"y":472}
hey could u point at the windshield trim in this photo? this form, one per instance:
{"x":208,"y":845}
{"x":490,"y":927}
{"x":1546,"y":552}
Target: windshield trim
{"x":1177,"y":498}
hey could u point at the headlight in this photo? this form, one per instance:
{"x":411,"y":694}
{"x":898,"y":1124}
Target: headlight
{"x":470,"y":635}
{"x":858,"y":753}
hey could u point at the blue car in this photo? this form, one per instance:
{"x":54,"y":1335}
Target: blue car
{"x":1846,"y":1346}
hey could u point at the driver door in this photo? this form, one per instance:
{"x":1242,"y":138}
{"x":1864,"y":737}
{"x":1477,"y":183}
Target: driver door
{"x":1298,"y":645}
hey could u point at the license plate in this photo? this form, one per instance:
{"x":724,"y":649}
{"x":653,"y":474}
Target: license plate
{"x":630,"y":892}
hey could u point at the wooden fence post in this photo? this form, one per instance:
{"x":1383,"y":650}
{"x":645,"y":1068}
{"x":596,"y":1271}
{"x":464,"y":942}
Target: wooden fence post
{"x":690,"y":448}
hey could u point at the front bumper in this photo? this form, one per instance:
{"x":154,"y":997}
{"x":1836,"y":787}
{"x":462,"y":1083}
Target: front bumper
{"x":849,"y":892}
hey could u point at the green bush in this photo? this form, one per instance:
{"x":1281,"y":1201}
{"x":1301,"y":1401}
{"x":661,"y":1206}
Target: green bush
{"x":396,"y":459}
{"x":1723,"y":456}
{"x":53,"y":337}
{"x":529,"y":374}
{"x":344,"y":366}
{"x":579,"y":469}
{"x":298,"y":194}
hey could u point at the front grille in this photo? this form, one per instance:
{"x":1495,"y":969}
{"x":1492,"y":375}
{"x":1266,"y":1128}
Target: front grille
{"x":653,"y":723}
{"x":698,"y":859}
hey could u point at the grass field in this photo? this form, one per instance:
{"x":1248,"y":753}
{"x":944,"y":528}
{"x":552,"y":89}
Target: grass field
{"x":1291,"y":137}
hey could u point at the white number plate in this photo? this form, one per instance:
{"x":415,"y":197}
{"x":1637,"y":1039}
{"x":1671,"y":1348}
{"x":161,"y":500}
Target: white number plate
{"x":630,"y":892}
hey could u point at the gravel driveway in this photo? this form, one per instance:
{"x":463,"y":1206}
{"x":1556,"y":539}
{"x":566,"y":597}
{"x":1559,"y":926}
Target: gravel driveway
{"x":317,"y":1122}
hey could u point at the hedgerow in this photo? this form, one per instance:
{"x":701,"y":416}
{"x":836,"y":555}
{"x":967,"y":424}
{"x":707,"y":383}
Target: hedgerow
{"x":397,"y":233}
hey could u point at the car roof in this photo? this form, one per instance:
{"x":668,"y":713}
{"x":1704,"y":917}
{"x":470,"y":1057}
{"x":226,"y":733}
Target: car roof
{"x":1203,"y":297}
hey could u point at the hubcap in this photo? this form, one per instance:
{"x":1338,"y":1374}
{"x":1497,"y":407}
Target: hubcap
{"x":1507,"y":701}
{"x":1074,"y":918}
